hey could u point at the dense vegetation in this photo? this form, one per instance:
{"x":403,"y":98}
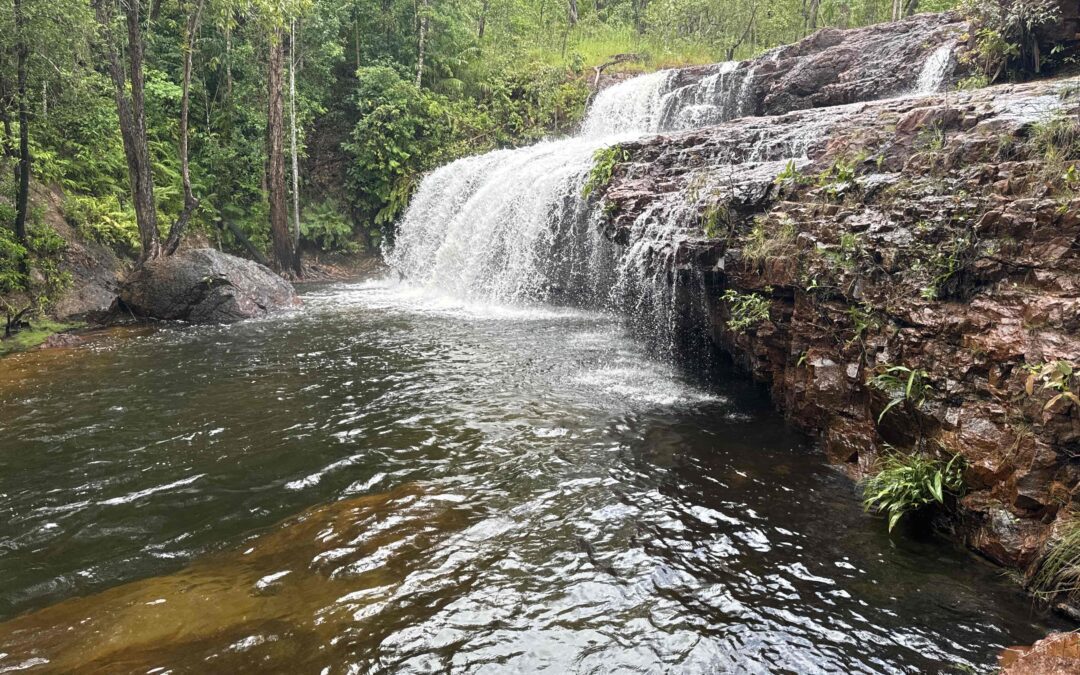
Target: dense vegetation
{"x":308,"y":122}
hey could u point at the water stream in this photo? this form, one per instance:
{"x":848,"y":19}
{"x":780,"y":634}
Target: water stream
{"x":464,"y":487}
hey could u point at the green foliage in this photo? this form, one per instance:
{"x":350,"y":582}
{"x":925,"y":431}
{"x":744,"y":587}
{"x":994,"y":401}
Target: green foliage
{"x":604,"y":162}
{"x":766,"y":241}
{"x":1005,"y":32}
{"x":324,"y":226}
{"x":863,"y":320}
{"x":747,"y":309}
{"x":907,"y":483}
{"x":838,"y":177}
{"x":1056,"y":376}
{"x":791,"y":175}
{"x":716,"y":219}
{"x":104,"y":220}
{"x":902,"y":384}
{"x":12,"y":256}
{"x":1058,"y":572}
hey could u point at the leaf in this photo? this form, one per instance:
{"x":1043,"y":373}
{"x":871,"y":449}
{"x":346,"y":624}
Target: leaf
{"x":1029,"y":386}
{"x":1051,"y":402}
{"x":936,"y":488}
{"x":889,"y":407}
{"x":894,"y":518}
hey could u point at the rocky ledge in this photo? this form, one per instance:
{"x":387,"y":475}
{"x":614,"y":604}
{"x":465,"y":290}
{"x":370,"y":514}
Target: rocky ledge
{"x":205,"y":286}
{"x":933,"y":240}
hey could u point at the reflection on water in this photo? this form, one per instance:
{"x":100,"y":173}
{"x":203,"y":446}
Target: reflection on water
{"x":479,"y":490}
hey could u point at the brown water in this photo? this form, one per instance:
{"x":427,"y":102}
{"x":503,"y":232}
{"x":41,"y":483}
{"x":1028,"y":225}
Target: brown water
{"x":391,"y":482}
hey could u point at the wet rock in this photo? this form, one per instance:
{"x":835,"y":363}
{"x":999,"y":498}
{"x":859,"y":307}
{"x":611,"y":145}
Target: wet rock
{"x":917,"y":242}
{"x":1056,"y":654}
{"x":205,"y":286}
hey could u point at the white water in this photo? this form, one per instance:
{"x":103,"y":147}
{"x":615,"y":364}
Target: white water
{"x":512,"y":227}
{"x":935,"y":72}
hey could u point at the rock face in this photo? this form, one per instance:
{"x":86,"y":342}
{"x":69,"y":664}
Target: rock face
{"x":937,"y":234}
{"x":831,"y":67}
{"x":205,"y":286}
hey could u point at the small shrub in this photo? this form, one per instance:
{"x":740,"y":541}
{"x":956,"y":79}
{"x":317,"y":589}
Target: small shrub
{"x":792,"y":176}
{"x":12,"y":257}
{"x":716,"y":218}
{"x":1057,"y":376}
{"x":104,"y":220}
{"x":901,"y":384}
{"x":604,"y":162}
{"x":762,"y":243}
{"x":838,"y":177}
{"x":324,"y":226}
{"x":907,"y":483}
{"x":747,"y":309}
{"x":1058,"y":572}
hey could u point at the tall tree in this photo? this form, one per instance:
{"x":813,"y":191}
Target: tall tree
{"x":132,"y":113}
{"x":22,"y":55}
{"x":286,"y":259}
{"x":425,"y":10}
{"x":191,"y":30}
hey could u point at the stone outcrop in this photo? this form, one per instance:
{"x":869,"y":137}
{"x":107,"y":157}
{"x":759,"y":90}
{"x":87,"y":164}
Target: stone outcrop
{"x":205,"y":286}
{"x":938,"y":234}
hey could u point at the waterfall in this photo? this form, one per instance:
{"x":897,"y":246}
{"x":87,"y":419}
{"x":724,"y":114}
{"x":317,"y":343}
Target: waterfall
{"x":511,"y":226}
{"x":935,"y":71}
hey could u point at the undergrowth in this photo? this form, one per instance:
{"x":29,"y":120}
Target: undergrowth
{"x":604,"y":162}
{"x":907,"y":483}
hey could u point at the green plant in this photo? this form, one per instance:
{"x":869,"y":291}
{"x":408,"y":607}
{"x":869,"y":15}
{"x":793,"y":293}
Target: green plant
{"x":104,"y":220}
{"x":791,"y":175}
{"x":763,"y":243}
{"x":1058,"y":571}
{"x":976,"y":81}
{"x":838,"y":177}
{"x":863,"y":320}
{"x":907,"y":483}
{"x":747,"y":309}
{"x":1058,"y":376}
{"x":901,"y":384}
{"x":604,"y":162}
{"x":943,"y":263}
{"x":716,"y":218}
{"x":324,"y":226}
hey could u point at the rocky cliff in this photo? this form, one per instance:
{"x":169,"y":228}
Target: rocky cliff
{"x":904,"y":273}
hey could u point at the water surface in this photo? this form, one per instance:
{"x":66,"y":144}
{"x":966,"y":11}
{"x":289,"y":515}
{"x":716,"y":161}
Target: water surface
{"x":390,"y":481}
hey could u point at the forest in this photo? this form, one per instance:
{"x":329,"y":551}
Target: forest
{"x":271,"y":127}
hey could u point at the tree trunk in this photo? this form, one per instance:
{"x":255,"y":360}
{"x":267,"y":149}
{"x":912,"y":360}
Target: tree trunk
{"x":191,"y":29}
{"x":284,"y":260}
{"x":293,"y":137}
{"x":482,"y":22}
{"x":572,"y":12}
{"x":22,"y":200}
{"x":424,"y":4}
{"x":910,"y":7}
{"x":132,"y":114}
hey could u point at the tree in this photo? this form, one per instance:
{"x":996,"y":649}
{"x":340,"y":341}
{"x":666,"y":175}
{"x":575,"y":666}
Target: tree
{"x":191,"y":29}
{"x":132,"y":113}
{"x":286,"y":259}
{"x":22,"y":52}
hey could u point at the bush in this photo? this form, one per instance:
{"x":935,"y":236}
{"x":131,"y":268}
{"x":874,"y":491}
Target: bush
{"x":747,"y":309}
{"x":324,"y":226}
{"x":907,"y":483}
{"x":605,"y":160}
{"x":1058,"y":572}
{"x":104,"y":220}
{"x":12,"y":256}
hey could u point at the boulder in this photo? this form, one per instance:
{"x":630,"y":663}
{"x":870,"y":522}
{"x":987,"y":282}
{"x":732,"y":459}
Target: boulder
{"x":205,"y":286}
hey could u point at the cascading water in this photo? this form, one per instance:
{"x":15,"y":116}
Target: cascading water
{"x":512,"y":226}
{"x":935,"y":71}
